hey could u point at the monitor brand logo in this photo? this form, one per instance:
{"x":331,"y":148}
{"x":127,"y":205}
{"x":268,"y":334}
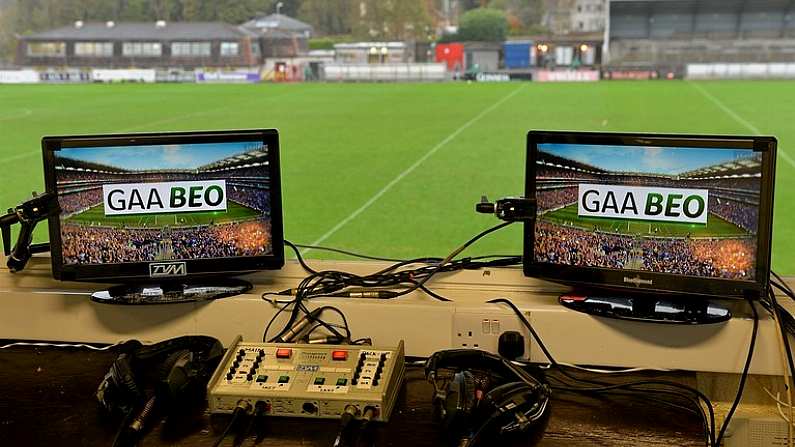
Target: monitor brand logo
{"x":165,"y":269}
{"x":643,"y":203}
{"x":165,"y":197}
{"x":638,"y":281}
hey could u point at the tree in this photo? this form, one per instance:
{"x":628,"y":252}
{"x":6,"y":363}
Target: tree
{"x":483,"y":24}
{"x":329,"y":17}
{"x":391,"y":20}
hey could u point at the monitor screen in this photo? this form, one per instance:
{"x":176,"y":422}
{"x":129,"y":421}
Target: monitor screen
{"x":672,"y":214}
{"x":164,"y":205}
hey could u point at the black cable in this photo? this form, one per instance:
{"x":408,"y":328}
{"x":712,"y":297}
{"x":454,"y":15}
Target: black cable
{"x":744,"y":376}
{"x":299,"y":257}
{"x":650,"y":395}
{"x":338,"y":284}
{"x":348,"y":253}
{"x":601,"y":387}
{"x":270,"y":323}
{"x":784,"y":289}
{"x":777,"y":309}
{"x":455,"y":253}
{"x":781,"y":280}
{"x":122,"y":427}
{"x":235,"y":415}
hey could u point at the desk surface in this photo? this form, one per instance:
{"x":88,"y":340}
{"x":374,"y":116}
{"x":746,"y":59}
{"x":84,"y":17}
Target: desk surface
{"x":47,"y":399}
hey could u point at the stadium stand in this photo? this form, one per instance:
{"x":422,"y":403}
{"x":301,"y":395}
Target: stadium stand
{"x":673,"y":33}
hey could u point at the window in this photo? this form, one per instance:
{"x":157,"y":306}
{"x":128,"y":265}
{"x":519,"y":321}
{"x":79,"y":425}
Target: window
{"x":142,"y":49}
{"x":94,"y":49}
{"x":190,"y":49}
{"x":45,"y":49}
{"x":230,"y":48}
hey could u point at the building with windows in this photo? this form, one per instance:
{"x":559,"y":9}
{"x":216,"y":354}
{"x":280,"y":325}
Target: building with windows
{"x":563,"y":17}
{"x":589,"y":16}
{"x":280,"y":36}
{"x":674,"y":33}
{"x":141,"y":45}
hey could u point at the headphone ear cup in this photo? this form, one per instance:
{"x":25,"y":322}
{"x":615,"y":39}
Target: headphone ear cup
{"x":173,"y":376}
{"x":119,"y":390}
{"x":459,"y":405}
{"x":503,"y":410}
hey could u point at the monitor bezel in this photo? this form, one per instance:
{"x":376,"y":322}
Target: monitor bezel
{"x":196,"y":268}
{"x":604,"y":278}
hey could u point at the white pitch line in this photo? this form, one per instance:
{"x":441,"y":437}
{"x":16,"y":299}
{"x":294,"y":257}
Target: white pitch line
{"x":25,"y":113}
{"x":740,"y":120}
{"x":411,"y":169}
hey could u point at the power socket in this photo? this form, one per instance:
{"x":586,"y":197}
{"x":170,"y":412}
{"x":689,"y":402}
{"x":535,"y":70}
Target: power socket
{"x":756,"y":432}
{"x":481,"y":330}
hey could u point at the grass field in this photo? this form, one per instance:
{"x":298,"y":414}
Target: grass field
{"x":395,"y":169}
{"x":96,"y":216}
{"x":715,"y":225}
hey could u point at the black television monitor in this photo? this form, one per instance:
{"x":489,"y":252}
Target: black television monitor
{"x":659,"y":213}
{"x":153,"y":207}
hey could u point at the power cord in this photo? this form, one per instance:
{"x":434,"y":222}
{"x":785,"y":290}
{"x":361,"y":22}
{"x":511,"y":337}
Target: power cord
{"x":744,"y":376}
{"x":347,"y":417}
{"x":242,"y":407}
{"x":348,"y":285}
{"x":692,"y":395}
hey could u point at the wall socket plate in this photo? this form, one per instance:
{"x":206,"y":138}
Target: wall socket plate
{"x":478,"y":329}
{"x":756,"y":432}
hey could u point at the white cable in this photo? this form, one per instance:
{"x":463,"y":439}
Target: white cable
{"x":594,"y":370}
{"x":62,"y":345}
{"x":776,"y":398}
{"x":615,"y":371}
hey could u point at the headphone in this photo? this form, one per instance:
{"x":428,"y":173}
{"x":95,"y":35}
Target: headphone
{"x":487,"y":397}
{"x":165,"y":375}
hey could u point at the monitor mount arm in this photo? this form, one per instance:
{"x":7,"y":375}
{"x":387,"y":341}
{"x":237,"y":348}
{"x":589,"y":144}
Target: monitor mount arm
{"x":509,"y":209}
{"x":27,"y":214}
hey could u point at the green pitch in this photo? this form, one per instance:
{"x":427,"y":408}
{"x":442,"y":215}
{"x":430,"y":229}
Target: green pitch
{"x":96,"y":216}
{"x":395,"y":169}
{"x":715,"y":225}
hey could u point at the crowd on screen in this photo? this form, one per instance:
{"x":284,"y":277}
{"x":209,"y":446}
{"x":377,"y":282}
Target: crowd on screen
{"x":742,"y":214}
{"x":711,"y":258}
{"x":254,"y":198}
{"x":741,"y":184}
{"x":100,"y":245}
{"x":79,"y":201}
{"x":549,"y":199}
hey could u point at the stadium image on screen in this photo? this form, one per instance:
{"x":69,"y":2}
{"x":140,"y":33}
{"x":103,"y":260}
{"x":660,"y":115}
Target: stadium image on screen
{"x":134,"y":204}
{"x":675,"y":210}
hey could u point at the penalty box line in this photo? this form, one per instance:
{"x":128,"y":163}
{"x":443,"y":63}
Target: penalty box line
{"x":411,"y":169}
{"x":736,"y":117}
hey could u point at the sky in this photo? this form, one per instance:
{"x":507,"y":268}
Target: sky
{"x":652,"y":160}
{"x":138,"y":158}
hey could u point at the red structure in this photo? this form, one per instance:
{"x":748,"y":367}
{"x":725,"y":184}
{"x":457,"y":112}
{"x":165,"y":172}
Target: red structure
{"x":452,"y":54}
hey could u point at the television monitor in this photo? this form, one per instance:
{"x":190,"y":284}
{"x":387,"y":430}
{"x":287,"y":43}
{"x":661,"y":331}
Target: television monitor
{"x":657,"y":213}
{"x":154,"y":207}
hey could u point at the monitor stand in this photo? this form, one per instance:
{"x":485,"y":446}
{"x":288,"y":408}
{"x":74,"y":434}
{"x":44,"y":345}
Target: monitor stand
{"x":650,"y":308}
{"x":172,"y":292}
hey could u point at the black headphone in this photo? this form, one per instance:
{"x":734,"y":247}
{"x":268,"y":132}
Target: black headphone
{"x":484,"y":397}
{"x":167,"y":375}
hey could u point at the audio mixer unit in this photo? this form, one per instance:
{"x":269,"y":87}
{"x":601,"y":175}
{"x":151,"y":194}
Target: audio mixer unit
{"x":308,"y":380}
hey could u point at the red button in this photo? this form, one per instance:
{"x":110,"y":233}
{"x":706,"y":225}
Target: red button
{"x":283,"y":353}
{"x":339,"y":355}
